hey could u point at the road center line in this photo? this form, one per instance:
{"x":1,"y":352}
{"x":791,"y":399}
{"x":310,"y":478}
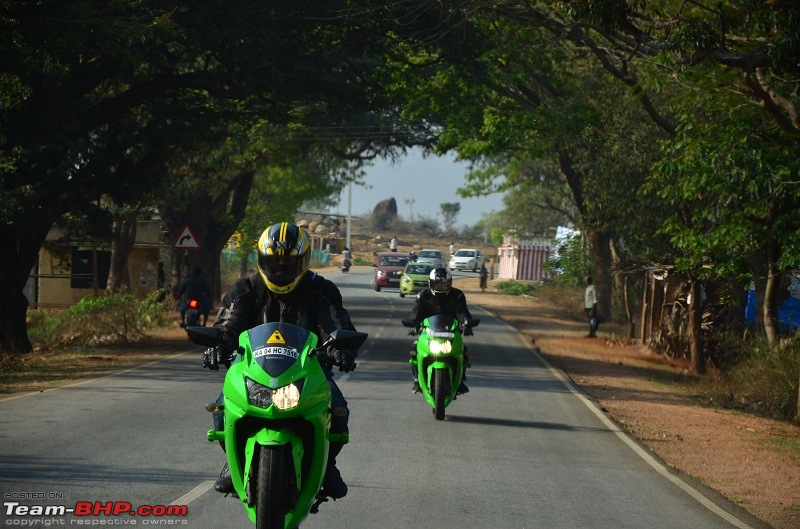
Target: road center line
{"x":193,"y":494}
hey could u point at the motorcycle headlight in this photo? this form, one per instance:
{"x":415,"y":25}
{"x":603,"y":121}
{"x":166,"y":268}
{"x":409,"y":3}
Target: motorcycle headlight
{"x":438,"y":347}
{"x":283,"y":398}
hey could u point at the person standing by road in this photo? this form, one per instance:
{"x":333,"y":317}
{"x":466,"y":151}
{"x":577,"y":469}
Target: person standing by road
{"x":452,"y":248}
{"x":393,"y":244}
{"x":590,"y":305}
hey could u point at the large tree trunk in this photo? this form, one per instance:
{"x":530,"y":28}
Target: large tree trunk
{"x":770,"y":307}
{"x":697,"y":354}
{"x":601,"y":245}
{"x":212,"y":220}
{"x":21,"y":243}
{"x":124,"y":237}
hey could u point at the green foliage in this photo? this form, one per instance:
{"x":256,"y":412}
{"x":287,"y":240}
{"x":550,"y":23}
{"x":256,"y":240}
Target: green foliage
{"x":732,"y":190}
{"x":764,"y":380}
{"x":573,"y":263}
{"x":517,"y":288}
{"x":105,"y":320}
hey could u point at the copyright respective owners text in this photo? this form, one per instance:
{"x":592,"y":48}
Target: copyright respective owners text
{"x":54,"y":509}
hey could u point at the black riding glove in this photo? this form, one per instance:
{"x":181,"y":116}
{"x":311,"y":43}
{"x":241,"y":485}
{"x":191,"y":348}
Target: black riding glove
{"x":214,"y":356}
{"x":412,"y":331}
{"x":345,"y":359}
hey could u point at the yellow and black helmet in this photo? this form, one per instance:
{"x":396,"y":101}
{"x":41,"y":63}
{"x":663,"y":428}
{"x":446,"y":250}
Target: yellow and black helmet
{"x":284,"y":251}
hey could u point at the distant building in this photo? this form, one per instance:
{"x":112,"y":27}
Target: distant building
{"x":69,"y":272}
{"x":524,"y":259}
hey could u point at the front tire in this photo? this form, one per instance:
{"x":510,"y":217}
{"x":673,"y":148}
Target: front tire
{"x":440,"y":391}
{"x":269,"y":500}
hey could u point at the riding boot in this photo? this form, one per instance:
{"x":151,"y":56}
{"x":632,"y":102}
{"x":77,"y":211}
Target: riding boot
{"x":462,"y":388}
{"x":224,"y":483}
{"x":415,"y":377}
{"x":333,"y":485}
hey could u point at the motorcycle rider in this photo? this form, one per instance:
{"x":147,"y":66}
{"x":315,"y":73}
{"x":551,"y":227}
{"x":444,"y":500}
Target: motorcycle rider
{"x":441,"y":298}
{"x":346,"y":256}
{"x":285,"y":290}
{"x":195,"y":287}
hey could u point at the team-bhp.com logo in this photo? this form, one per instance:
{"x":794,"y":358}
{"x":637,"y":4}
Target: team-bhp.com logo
{"x":93,"y":509}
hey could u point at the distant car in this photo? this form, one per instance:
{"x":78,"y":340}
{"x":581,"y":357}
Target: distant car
{"x":431,"y":256}
{"x":388,"y":268}
{"x":415,"y":278}
{"x":467,"y":259}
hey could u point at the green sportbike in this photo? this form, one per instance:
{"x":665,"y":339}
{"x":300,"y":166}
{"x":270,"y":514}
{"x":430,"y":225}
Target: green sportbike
{"x":277,"y":419}
{"x":439,"y":359}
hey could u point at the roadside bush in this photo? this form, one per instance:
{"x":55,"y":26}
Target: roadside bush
{"x":109,"y":319}
{"x":564,"y":296}
{"x":517,"y":288}
{"x":765,"y":380}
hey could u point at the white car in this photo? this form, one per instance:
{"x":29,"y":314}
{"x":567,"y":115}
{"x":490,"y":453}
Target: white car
{"x":467,"y":259}
{"x":432,"y":257}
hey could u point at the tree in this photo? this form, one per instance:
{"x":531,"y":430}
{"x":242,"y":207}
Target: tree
{"x":97,"y":100}
{"x":450,"y":212}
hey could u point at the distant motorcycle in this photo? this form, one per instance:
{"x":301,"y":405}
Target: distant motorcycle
{"x":345,"y":265}
{"x":193,"y":313}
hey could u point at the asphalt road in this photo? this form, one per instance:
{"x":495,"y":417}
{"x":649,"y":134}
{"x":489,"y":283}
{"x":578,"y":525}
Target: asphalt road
{"x":523,"y":449}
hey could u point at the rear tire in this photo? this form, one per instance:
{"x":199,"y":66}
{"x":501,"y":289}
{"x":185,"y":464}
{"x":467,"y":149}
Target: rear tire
{"x":192,"y":318}
{"x":440,"y":389}
{"x":269,"y":501}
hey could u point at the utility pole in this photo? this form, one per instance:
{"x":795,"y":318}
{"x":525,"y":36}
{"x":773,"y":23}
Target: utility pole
{"x":410,"y":202}
{"x":349,"y":211}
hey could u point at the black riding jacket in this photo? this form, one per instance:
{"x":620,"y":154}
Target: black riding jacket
{"x":195,"y":287}
{"x":454,"y":304}
{"x":315,"y":304}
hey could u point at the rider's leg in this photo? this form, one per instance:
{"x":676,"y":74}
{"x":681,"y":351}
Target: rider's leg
{"x":333,"y":485}
{"x":223,"y":484}
{"x":462,"y":388}
{"x":414,"y":370}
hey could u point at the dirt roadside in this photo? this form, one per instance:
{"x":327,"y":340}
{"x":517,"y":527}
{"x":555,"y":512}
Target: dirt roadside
{"x":752,"y":461}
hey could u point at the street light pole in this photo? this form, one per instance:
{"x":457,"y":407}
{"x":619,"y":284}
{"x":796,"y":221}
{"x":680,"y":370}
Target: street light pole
{"x":349,"y":210}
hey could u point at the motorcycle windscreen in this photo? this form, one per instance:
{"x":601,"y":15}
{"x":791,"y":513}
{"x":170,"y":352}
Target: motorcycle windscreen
{"x":277,"y":346}
{"x":442,"y":323}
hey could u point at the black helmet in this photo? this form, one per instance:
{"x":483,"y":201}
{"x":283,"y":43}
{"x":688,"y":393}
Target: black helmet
{"x":284,"y":252}
{"x":440,"y":280}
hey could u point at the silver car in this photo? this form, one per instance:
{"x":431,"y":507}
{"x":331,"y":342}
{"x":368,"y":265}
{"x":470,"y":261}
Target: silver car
{"x":432,"y":257}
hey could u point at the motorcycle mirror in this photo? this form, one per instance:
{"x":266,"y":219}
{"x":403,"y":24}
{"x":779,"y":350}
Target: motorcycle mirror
{"x":207,"y":336}
{"x":346,"y":339}
{"x":473,"y":323}
{"x":408,"y":322}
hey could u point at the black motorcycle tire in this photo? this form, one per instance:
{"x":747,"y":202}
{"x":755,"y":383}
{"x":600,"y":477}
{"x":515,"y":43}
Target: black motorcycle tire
{"x":269,"y":501}
{"x":439,"y":392}
{"x":192,"y":318}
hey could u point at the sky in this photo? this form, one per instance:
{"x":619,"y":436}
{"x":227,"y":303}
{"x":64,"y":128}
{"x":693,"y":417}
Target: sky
{"x":429,"y":182}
